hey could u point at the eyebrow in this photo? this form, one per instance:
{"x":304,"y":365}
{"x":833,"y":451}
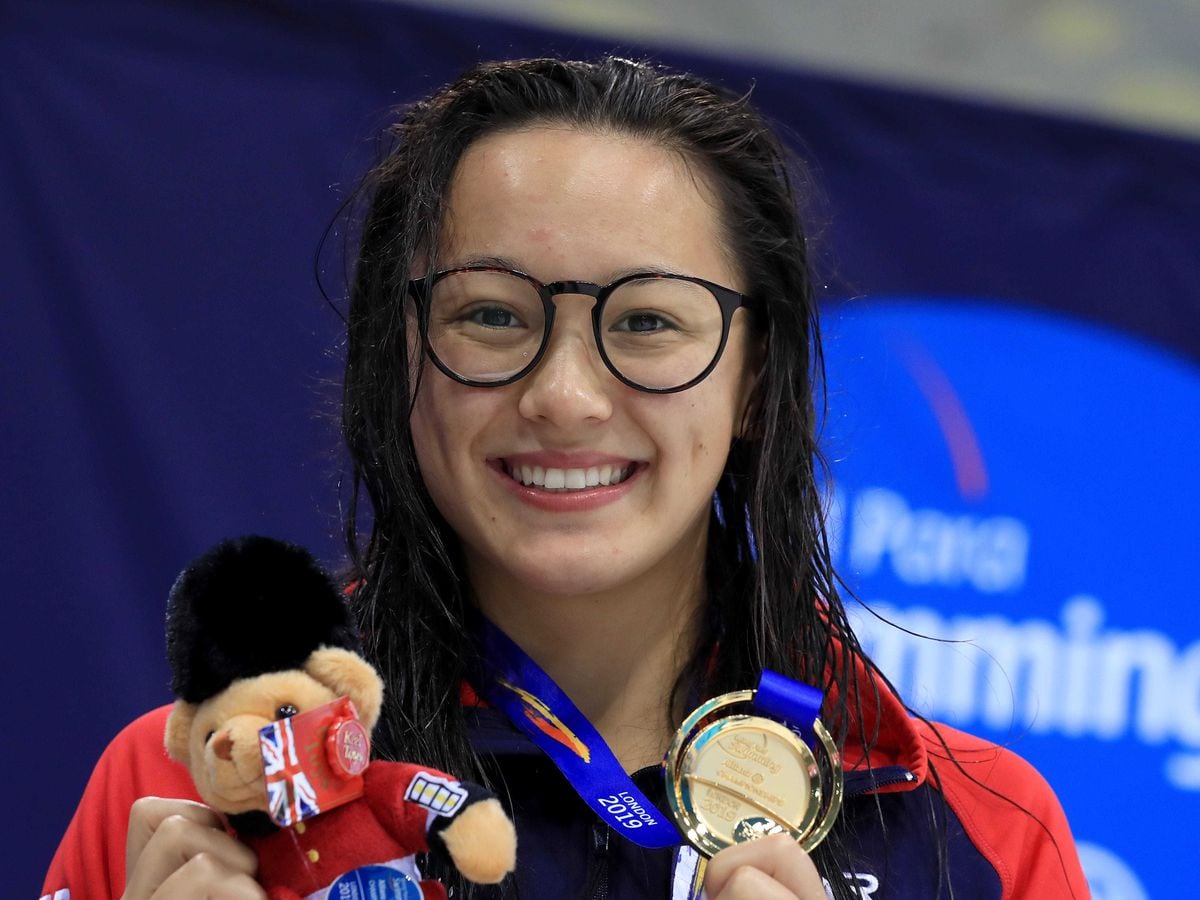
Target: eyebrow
{"x":499,"y":262}
{"x":505,"y":262}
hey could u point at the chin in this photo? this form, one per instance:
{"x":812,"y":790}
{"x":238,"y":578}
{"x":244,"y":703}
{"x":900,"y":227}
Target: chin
{"x":559,"y":574}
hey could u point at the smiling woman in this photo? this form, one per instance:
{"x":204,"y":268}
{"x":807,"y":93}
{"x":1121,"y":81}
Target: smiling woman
{"x":578,"y":400}
{"x":613,"y":542}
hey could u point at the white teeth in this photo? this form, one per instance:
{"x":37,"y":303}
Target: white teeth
{"x":568,"y":479}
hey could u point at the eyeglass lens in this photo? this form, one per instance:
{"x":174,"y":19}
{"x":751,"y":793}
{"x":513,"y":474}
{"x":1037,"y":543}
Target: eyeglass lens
{"x":659,"y":333}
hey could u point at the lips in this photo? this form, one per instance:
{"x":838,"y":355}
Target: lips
{"x":566,"y":478}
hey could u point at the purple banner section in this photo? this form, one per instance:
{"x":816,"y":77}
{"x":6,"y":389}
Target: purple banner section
{"x":168,"y":366}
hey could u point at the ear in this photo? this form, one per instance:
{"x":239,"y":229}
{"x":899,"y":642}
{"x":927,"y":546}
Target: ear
{"x":348,"y":674}
{"x":179,"y":730}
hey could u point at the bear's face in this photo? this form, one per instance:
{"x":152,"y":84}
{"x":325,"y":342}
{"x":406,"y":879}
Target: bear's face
{"x":218,"y":739}
{"x":222,"y":742}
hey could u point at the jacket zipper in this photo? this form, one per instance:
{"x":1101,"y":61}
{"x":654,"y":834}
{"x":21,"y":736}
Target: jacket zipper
{"x":598,"y":864}
{"x":903,"y":776}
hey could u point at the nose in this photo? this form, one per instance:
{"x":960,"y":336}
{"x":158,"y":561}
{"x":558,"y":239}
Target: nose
{"x":222,"y":745}
{"x":571,"y":383}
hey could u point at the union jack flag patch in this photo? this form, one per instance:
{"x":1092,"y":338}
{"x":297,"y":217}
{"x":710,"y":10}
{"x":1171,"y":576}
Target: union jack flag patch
{"x":290,"y":795}
{"x":438,"y":795}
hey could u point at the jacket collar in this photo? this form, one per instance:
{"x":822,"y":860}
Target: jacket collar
{"x":885,"y":755}
{"x":883,"y":745}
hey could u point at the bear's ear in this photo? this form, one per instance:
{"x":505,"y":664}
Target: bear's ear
{"x":179,"y":730}
{"x":349,"y":675}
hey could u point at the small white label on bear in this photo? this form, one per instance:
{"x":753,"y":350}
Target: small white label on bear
{"x":438,"y":795}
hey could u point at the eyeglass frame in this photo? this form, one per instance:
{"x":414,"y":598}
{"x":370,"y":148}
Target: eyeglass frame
{"x":730,"y":301}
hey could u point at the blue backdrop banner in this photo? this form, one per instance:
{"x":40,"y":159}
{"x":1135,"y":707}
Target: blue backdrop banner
{"x":1014,"y":490}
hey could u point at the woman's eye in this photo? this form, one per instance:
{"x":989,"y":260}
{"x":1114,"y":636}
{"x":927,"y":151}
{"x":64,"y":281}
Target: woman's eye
{"x":642,"y":323}
{"x":286,"y":711}
{"x":493,"y":317}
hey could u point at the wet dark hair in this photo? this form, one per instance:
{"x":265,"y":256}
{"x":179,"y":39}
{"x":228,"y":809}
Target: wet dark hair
{"x":772,"y":596}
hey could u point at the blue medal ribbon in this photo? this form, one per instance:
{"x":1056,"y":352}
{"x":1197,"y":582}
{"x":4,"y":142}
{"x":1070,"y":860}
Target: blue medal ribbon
{"x":789,"y":701}
{"x":516,"y":685}
{"x":532,"y":701}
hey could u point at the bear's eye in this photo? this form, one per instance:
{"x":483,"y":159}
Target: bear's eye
{"x":286,"y":711}
{"x":208,"y":737}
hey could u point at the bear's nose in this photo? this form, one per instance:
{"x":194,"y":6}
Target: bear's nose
{"x":222,"y":745}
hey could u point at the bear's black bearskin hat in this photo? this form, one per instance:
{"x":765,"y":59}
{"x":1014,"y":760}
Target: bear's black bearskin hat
{"x":249,"y":606}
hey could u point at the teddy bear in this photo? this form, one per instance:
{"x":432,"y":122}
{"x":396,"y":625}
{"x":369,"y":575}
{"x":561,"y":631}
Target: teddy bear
{"x":257,"y":634}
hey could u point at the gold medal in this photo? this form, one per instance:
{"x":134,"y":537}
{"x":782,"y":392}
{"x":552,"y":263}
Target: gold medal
{"x":734,"y":775}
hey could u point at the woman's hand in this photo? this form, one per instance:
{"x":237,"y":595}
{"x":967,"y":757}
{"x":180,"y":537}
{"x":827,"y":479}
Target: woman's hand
{"x":177,"y":848}
{"x":770,"y":868}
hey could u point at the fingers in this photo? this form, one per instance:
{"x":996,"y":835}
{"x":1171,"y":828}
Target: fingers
{"x":203,"y":876}
{"x":769,"y":868}
{"x":148,"y":813}
{"x":177,"y":848}
{"x":747,"y":883}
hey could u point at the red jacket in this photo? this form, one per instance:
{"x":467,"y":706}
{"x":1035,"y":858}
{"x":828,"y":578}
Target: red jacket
{"x":1005,"y":835}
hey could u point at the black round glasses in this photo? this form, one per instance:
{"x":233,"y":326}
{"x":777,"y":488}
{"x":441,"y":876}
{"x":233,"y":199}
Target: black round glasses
{"x":486,"y":326}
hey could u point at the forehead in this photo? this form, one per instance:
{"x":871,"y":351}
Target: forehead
{"x":575,"y":203}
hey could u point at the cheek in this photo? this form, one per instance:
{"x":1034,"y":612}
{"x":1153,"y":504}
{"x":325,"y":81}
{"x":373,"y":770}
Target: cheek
{"x":696,"y":433}
{"x":434,"y":434}
{"x":424,"y":430}
{"x":448,"y":424}
{"x":714,"y":419}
